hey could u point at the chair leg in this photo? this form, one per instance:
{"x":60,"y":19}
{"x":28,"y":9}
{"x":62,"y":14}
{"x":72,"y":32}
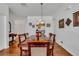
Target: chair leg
{"x":52,"y":54}
{"x":25,"y":52}
{"x":49,"y":52}
{"x":21,"y":53}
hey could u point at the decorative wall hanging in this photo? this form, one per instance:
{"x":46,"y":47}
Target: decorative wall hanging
{"x":76,"y":19}
{"x":68,"y":21}
{"x":48,"y":25}
{"x":30,"y":24}
{"x":61,"y":23}
{"x":33,"y":26}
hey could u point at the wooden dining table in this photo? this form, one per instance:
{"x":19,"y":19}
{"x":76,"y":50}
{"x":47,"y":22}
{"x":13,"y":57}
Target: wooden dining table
{"x":38,"y":43}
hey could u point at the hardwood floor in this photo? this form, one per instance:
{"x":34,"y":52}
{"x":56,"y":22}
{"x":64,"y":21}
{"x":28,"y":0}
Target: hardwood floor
{"x":58,"y":51}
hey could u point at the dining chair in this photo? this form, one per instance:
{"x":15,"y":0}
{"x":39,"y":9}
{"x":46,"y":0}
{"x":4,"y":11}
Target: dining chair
{"x":12,"y":38}
{"x":23,"y":44}
{"x":52,"y":44}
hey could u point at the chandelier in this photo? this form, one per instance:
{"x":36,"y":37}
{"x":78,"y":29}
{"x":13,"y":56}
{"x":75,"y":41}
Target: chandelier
{"x":41,"y":23}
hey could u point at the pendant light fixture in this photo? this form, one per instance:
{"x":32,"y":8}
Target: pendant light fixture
{"x":41,"y":11}
{"x":40,"y":22}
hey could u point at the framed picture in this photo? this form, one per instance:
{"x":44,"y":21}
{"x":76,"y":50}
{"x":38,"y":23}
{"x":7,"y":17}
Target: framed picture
{"x":68,"y":21}
{"x":33,"y":26}
{"x":76,"y":19}
{"x":61,"y":23}
{"x":30,"y":23}
{"x":48,"y":25}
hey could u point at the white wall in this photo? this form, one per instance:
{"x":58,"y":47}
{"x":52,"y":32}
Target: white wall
{"x":2,"y":32}
{"x":4,"y":17}
{"x":20,"y":26}
{"x":69,"y":35}
{"x":12,"y":20}
{"x":34,"y":20}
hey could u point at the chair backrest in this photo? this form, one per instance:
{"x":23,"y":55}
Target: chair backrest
{"x":12,"y":35}
{"x":52,"y":38}
{"x":11,"y":38}
{"x":22,"y":37}
{"x":26,"y":35}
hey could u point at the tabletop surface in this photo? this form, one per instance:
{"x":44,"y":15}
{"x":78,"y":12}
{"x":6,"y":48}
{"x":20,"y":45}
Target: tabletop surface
{"x":33,"y":37}
{"x":38,"y":41}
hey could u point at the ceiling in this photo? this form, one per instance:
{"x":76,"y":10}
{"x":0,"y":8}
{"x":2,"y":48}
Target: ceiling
{"x":33,"y":9}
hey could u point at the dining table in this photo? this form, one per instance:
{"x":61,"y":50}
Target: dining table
{"x":42,"y":42}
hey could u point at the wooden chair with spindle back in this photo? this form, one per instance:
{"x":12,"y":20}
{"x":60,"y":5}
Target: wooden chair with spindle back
{"x":23,"y":43}
{"x":52,"y":43}
{"x":12,"y":36}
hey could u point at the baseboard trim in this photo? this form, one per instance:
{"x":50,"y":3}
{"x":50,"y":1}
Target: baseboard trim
{"x":66,"y":48}
{"x":4,"y":48}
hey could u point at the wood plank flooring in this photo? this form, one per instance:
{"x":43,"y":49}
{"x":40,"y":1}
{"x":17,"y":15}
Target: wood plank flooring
{"x":58,"y":51}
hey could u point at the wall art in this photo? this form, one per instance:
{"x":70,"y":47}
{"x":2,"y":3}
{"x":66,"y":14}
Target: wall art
{"x":48,"y":25}
{"x":76,"y":19}
{"x":33,"y":26}
{"x":68,"y":21}
{"x":30,"y":24}
{"x":61,"y":23}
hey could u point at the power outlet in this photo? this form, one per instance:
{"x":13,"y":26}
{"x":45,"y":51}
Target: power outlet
{"x":61,"y":41}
